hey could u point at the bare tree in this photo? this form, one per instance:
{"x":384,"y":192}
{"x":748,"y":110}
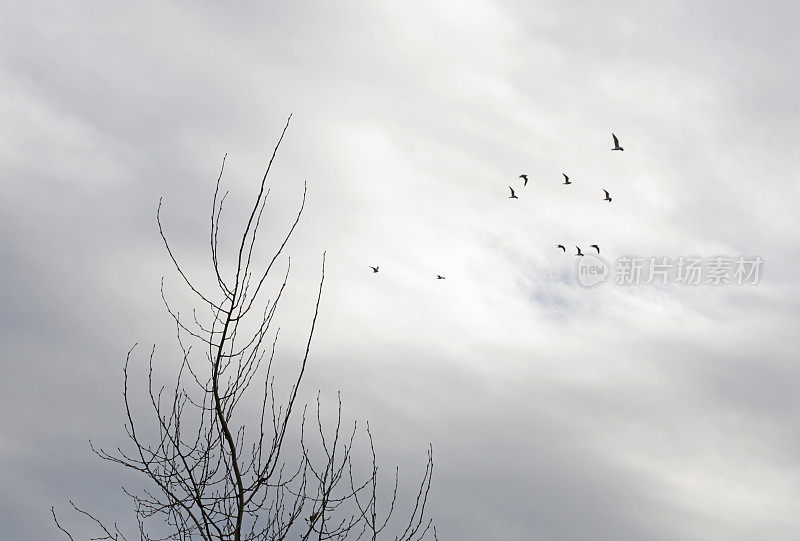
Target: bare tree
{"x":218,"y":476}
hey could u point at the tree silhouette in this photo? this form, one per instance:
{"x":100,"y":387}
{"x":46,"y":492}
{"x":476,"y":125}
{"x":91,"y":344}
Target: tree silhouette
{"x":218,"y":476}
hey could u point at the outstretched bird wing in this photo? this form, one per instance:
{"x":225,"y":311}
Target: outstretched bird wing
{"x":616,"y":141}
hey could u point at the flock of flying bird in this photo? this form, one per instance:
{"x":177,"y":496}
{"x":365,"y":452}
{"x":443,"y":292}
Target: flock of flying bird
{"x":524,"y":177}
{"x":513,"y":195}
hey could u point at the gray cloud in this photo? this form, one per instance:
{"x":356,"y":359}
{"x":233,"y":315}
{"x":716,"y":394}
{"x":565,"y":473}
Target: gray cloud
{"x":555,"y":411}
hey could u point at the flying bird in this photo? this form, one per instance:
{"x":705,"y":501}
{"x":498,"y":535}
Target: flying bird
{"x":439,"y":277}
{"x":566,"y":179}
{"x":524,"y":177}
{"x":596,"y":247}
{"x":579,"y":251}
{"x":513,"y":195}
{"x":608,"y":196}
{"x":616,"y":143}
{"x":562,"y":247}
{"x":374,"y":269}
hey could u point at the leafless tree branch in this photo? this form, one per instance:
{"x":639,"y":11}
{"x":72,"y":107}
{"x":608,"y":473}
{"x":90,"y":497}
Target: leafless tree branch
{"x":215,"y":476}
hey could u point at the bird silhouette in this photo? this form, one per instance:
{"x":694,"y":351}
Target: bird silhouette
{"x":579,"y":251}
{"x":616,"y":143}
{"x":513,"y":195}
{"x":566,"y":179}
{"x":608,"y":196}
{"x":439,"y":277}
{"x":596,"y":247}
{"x":374,"y":269}
{"x":524,"y":177}
{"x":562,"y":247}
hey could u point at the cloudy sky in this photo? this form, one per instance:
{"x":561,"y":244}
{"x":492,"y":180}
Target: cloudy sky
{"x":556,"y":412}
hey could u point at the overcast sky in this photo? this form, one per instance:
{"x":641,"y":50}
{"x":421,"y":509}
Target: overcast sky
{"x":556,"y":412}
